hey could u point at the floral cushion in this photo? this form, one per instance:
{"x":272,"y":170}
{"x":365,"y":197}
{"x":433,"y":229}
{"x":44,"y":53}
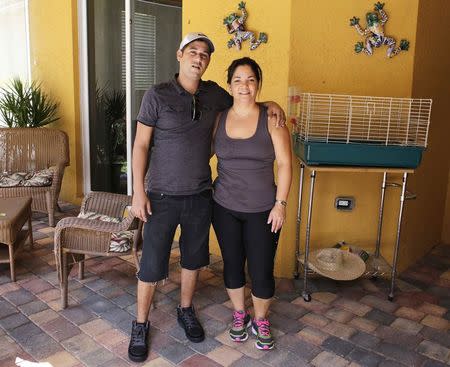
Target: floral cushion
{"x":120,"y":241}
{"x":30,"y":179}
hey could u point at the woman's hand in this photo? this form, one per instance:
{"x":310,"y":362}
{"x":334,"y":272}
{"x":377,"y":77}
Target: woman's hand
{"x":140,"y":205}
{"x":276,"y":217}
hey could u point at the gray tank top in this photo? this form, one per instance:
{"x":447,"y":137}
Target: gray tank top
{"x":245,"y":181}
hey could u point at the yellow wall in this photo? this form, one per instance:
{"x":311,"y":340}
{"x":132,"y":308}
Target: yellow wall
{"x":323,"y":61}
{"x":446,"y":223}
{"x":54,"y":62}
{"x":311,"y":46}
{"x":428,"y":224}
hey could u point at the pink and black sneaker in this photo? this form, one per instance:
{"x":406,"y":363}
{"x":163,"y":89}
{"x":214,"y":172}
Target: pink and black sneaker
{"x":261,"y":328}
{"x":241,"y":321}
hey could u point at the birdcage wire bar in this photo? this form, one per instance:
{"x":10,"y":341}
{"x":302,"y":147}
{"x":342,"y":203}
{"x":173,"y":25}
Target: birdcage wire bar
{"x":335,"y":118}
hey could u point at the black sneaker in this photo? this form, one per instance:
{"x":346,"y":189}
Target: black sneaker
{"x":189,"y":322}
{"x":138,"y":348}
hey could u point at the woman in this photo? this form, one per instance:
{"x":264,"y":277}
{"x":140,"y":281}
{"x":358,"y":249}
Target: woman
{"x":249,"y":209}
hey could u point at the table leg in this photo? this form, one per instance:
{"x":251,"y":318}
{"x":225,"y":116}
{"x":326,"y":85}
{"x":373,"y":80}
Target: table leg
{"x":380,"y":215}
{"x":81,"y":268}
{"x":11,"y":262}
{"x":397,"y":242}
{"x":64,"y":280}
{"x":299,"y":220}
{"x":306,"y":295}
{"x":30,"y":231}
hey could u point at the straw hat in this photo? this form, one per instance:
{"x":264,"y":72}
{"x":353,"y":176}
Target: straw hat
{"x":336,"y":264}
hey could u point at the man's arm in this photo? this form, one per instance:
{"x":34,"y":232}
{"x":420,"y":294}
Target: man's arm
{"x":216,"y":124}
{"x":141,"y":204}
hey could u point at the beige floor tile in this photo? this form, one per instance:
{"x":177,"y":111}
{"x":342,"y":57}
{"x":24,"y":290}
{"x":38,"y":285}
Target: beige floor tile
{"x":62,"y":359}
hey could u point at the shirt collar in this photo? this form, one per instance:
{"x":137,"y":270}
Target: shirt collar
{"x":181,"y":90}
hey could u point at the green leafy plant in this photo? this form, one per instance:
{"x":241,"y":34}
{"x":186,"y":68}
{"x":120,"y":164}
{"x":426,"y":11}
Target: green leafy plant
{"x":110,"y":110}
{"x":115,"y":110}
{"x":23,"y":105}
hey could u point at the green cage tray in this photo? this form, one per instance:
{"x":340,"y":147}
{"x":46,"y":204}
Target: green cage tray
{"x":352,"y":154}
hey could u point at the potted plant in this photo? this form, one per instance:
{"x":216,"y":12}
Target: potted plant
{"x":23,"y":105}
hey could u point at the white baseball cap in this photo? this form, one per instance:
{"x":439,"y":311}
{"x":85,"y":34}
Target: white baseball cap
{"x":194,"y":36}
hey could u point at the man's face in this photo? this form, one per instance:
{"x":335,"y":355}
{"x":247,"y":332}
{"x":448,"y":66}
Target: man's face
{"x":194,"y":59}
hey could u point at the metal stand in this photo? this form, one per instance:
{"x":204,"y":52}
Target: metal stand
{"x":397,"y":241}
{"x":299,"y":219}
{"x":380,"y":216}
{"x":405,"y":195}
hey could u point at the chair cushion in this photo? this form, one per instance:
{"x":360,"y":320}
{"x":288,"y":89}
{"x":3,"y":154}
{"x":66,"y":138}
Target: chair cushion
{"x":120,"y":241}
{"x":29,"y":179}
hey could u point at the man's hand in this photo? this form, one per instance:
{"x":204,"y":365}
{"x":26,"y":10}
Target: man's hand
{"x":140,"y":206}
{"x":274,"y":110}
{"x":276,"y":217}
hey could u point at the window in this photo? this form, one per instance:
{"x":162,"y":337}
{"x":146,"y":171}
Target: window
{"x":144,"y":51}
{"x":14,"y":61}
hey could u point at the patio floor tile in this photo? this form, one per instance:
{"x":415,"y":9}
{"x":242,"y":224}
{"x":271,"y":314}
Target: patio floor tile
{"x":346,"y":323}
{"x":224,"y":355}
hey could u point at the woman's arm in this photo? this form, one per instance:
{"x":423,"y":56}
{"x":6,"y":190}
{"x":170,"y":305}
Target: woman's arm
{"x":282,"y":145}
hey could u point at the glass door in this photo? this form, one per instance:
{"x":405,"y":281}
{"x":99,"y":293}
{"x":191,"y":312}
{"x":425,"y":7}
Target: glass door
{"x":155,"y":34}
{"x":131,"y":46}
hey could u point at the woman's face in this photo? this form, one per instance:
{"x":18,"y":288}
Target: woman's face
{"x":244,"y":85}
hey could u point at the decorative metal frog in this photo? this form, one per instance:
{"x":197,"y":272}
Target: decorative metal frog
{"x":374,"y":33}
{"x":235,"y":24}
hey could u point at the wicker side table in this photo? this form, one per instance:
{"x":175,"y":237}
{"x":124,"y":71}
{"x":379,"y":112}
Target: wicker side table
{"x":14,"y":212}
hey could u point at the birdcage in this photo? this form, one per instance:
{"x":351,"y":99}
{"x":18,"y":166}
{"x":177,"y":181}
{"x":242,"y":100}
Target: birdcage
{"x":332,"y":129}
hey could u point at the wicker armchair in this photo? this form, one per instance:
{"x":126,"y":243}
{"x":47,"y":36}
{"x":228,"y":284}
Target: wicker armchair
{"x":34,"y":149}
{"x":78,"y":237}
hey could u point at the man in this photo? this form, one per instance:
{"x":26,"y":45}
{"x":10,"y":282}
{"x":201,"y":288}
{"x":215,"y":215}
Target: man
{"x":180,"y":116}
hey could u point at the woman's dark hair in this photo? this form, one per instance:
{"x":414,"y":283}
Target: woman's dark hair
{"x":245,"y":61}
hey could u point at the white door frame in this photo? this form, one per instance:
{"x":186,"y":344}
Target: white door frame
{"x":84,"y":93}
{"x":84,"y":90}
{"x":129,"y":30}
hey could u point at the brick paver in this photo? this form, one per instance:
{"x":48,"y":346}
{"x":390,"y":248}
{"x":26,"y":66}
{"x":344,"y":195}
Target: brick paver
{"x":312,"y":335}
{"x":410,"y":313}
{"x":324,"y":297}
{"x":434,"y":351}
{"x":346,"y":324}
{"x":357,"y":308}
{"x":326,"y":359}
{"x":432,"y":309}
{"x":363,"y":324}
{"x":339,"y":330}
{"x":339,"y":315}
{"x":314,"y":319}
{"x":436,"y":322}
{"x":406,"y":325}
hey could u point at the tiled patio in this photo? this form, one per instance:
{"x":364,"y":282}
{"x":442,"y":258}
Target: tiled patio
{"x":346,"y":324}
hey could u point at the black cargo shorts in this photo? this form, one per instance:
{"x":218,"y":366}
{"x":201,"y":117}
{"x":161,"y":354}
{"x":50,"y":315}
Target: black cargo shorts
{"x":193,"y":214}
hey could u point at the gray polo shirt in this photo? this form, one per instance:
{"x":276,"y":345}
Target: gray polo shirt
{"x":179,"y":163}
